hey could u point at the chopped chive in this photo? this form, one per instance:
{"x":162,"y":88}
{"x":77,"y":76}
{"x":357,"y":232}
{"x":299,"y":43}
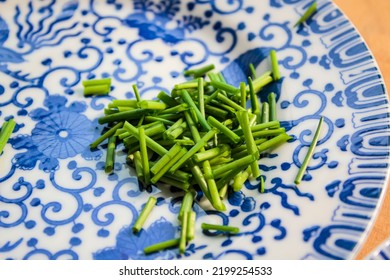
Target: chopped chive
{"x":166,"y":167}
{"x":228,"y":229}
{"x":152,"y":105}
{"x":261,"y":82}
{"x":144,"y":154}
{"x":144,"y":214}
{"x":176,"y":132}
{"x":229,"y":102}
{"x":164,"y":97}
{"x":94,"y":82}
{"x":6,"y":131}
{"x":216,"y":112}
{"x":237,"y":164}
{"x":161,"y":246}
{"x":123,"y":116}
{"x":269,"y":132}
{"x":211,"y":97}
{"x":259,"y":127}
{"x":211,"y":153}
{"x":176,"y":109}
{"x":187,"y":99}
{"x":225,"y":87}
{"x":222,"y":191}
{"x":272,"y":106}
{"x":243,"y":119}
{"x":96,"y":90}
{"x":261,"y":186}
{"x":153,"y":145}
{"x":139,"y":170}
{"x":124,"y":103}
{"x":183,"y":234}
{"x":252,"y":70}
{"x":191,"y":225}
{"x":240,"y":179}
{"x":224,"y":129}
{"x":157,"y":119}
{"x":243,"y":95}
{"x":165,"y":158}
{"x":201,"y":96}
{"x":308,"y":13}
{"x":273,"y":142}
{"x":309,"y":153}
{"x":106,"y":135}
{"x":275,"y":65}
{"x":265,"y":112}
{"x":175,"y":183}
{"x":136,"y":93}
{"x":186,"y":85}
{"x":186,"y":204}
{"x":200,"y":144}
{"x":199,"y":72}
{"x":110,"y":156}
{"x":254,"y":100}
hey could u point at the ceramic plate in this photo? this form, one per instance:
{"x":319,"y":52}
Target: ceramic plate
{"x":381,"y":253}
{"x":56,"y":201}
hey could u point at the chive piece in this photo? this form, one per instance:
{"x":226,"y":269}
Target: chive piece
{"x":216,"y":112}
{"x":211,"y":97}
{"x":227,"y":177}
{"x":191,"y":225}
{"x":243,"y":119}
{"x":161,"y":246}
{"x":136,"y":93}
{"x":199,"y":72}
{"x":157,"y":119}
{"x":139,"y":170}
{"x":222,"y":191}
{"x":106,"y":135}
{"x":211,"y":153}
{"x":165,"y":158}
{"x":265,"y":113}
{"x":243,"y":95}
{"x":144,"y":214}
{"x":200,"y":180}
{"x":237,"y":164}
{"x":173,"y":127}
{"x":187,"y":99}
{"x":6,"y":131}
{"x":186,"y":85}
{"x":259,"y":127}
{"x":96,"y":90}
{"x":183,"y":234}
{"x":123,"y":116}
{"x":123,"y":103}
{"x":273,"y":142}
{"x":252,"y":70}
{"x":240,"y":179}
{"x":309,"y":12}
{"x":228,"y":229}
{"x":176,"y":132}
{"x":254,"y":100}
{"x":212,"y":187}
{"x":176,"y":109}
{"x":200,"y":144}
{"x":201,"y":96}
{"x":110,"y":156}
{"x":152,"y":105}
{"x":186,"y":204}
{"x":94,"y":82}
{"x":166,"y":167}
{"x":222,"y":128}
{"x":229,"y":102}
{"x":144,"y":154}
{"x":309,"y":154}
{"x":153,"y":145}
{"x":261,"y":82}
{"x":272,"y":106}
{"x":164,"y":97}
{"x":269,"y":132}
{"x":261,"y":186}
{"x":275,"y":66}
{"x":225,"y":87}
{"x":175,"y":183}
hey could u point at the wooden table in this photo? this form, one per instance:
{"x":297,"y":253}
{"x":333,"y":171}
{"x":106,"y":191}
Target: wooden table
{"x":372,"y":19}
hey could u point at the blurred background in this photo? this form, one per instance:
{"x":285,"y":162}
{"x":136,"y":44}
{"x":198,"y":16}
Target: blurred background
{"x":372,"y":19}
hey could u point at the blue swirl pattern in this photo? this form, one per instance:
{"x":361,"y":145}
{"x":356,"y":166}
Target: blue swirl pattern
{"x":56,"y":202}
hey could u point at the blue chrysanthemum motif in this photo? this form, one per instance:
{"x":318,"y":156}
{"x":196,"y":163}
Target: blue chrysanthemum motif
{"x":61,"y":132}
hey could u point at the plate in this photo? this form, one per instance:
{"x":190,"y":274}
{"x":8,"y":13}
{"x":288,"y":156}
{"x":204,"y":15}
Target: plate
{"x":381,"y":253}
{"x":56,"y":201}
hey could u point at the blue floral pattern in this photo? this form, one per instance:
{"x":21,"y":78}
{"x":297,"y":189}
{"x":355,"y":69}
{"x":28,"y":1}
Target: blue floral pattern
{"x":56,"y":202}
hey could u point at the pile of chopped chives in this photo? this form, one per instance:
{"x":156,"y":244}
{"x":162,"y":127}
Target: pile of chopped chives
{"x":5,"y":133}
{"x":199,"y":138}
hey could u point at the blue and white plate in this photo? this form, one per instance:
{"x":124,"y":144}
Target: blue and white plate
{"x":56,"y":201}
{"x":381,"y":253}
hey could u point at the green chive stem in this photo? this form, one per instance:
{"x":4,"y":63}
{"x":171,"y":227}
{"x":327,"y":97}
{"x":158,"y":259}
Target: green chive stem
{"x":144,"y":214}
{"x":110,"y":155}
{"x":161,"y":246}
{"x":136,"y":93}
{"x":199,"y":72}
{"x":191,"y":225}
{"x":123,"y":116}
{"x":95,"y":82}
{"x":228,"y":229}
{"x":308,"y":13}
{"x":144,"y":154}
{"x":309,"y":153}
{"x":201,"y":96}
{"x":275,"y":66}
{"x":272,"y":106}
{"x":243,"y":95}
{"x":6,"y":131}
{"x":187,"y":99}
{"x":224,"y":129}
{"x":96,"y":90}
